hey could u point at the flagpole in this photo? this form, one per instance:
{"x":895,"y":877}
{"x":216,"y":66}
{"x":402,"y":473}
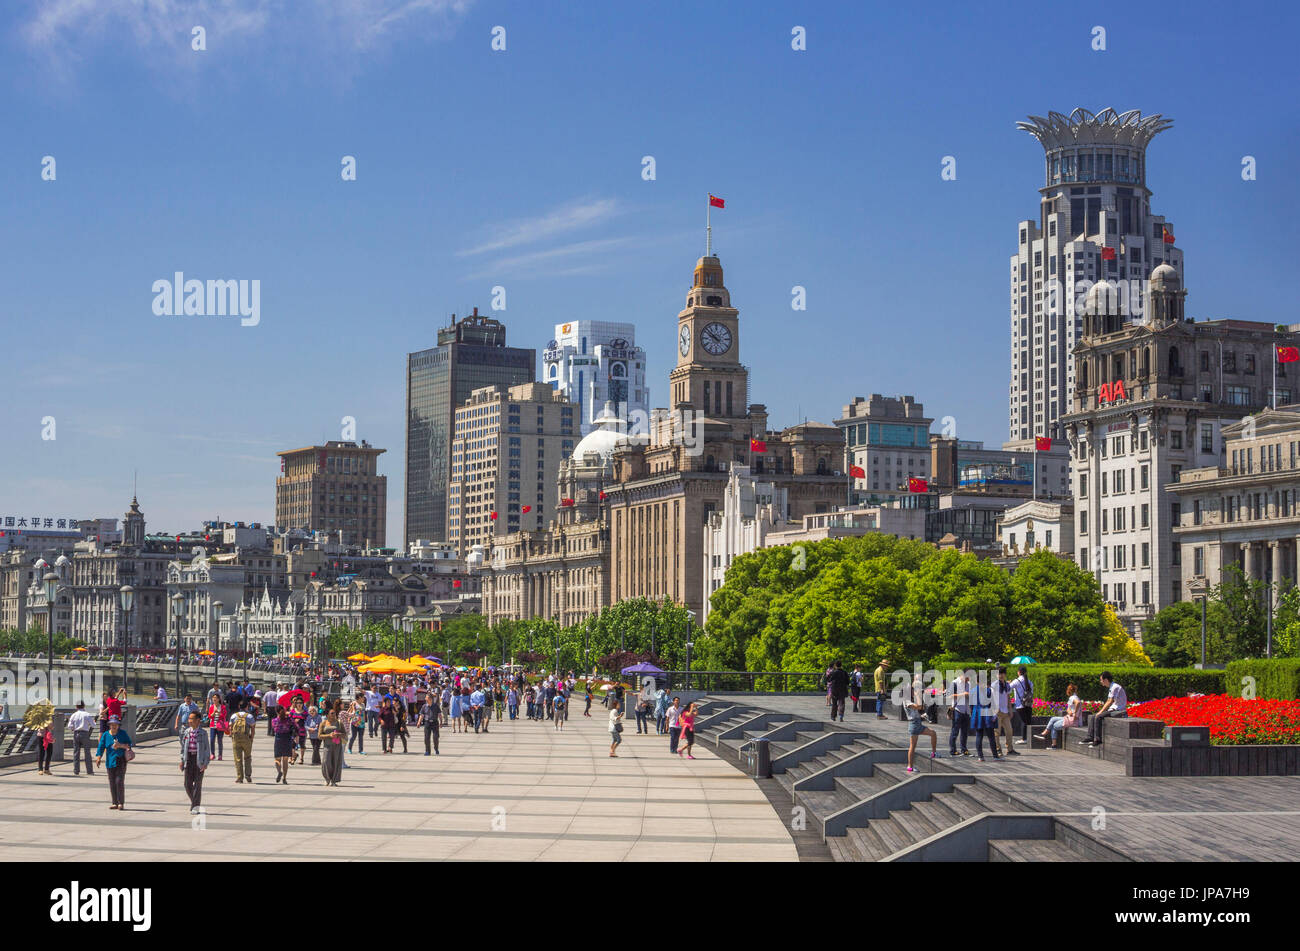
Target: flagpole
{"x":1275,"y":376}
{"x":1033,"y":476}
{"x":708,"y":226}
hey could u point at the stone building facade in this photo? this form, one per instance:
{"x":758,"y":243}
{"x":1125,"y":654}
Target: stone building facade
{"x":334,"y":488}
{"x":1245,"y":513}
{"x":1151,"y":401}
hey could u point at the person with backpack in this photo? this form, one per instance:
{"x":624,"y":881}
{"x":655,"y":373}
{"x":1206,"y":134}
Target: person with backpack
{"x":242,"y":727}
{"x":838,"y":684}
{"x":560,"y":706}
{"x":1022,"y":689}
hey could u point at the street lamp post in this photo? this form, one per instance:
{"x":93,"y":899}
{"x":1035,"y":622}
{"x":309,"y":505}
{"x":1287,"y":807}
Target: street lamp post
{"x":689,"y":645}
{"x":178,"y":609}
{"x":127,"y":594}
{"x":244,"y":612}
{"x":216,"y":654}
{"x":51,"y":594}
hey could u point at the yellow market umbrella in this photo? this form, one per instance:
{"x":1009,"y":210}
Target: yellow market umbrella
{"x":390,"y":665}
{"x":299,"y":654}
{"x":206,"y":654}
{"x":83,"y":650}
{"x":356,"y":657}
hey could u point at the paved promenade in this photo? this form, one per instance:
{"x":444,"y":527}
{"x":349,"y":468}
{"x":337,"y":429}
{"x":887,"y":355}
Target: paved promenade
{"x":521,"y":792}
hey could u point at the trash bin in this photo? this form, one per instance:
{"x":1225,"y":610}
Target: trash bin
{"x":762,"y":760}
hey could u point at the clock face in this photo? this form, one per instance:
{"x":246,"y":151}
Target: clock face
{"x":684,"y":340}
{"x":715,"y":338}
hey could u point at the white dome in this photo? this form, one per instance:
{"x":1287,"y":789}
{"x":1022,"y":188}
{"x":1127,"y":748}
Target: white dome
{"x":604,"y":440}
{"x":1165,"y":276}
{"x":62,"y":561}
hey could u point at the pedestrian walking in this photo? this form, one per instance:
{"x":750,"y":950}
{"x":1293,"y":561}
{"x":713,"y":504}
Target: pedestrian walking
{"x":403,"y":733}
{"x":330,"y":734}
{"x":285,"y":730}
{"x":1022,"y":691}
{"x":881,"y":674}
{"x":983,"y":720}
{"x":429,"y":718}
{"x":115,"y":751}
{"x":674,"y":717}
{"x":916,"y":727}
{"x":587,"y":711}
{"x":687,"y":721}
{"x":196,"y":753}
{"x":615,"y":729}
{"x":359,"y":717}
{"x":312,"y":723}
{"x":959,"y":705}
{"x":243,"y":726}
{"x":218,"y":719}
{"x":838,"y":681}
{"x":81,"y":724}
{"x":1002,"y":694}
{"x":560,"y":706}
{"x":855,"y":686}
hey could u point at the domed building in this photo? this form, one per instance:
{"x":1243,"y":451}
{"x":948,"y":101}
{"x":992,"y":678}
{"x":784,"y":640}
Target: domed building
{"x":1154,"y":405}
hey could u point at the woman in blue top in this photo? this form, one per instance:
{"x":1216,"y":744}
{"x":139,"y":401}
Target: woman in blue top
{"x":455,"y":711}
{"x":115,"y":744}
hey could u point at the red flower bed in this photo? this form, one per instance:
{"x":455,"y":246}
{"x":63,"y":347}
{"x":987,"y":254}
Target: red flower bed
{"x":1232,"y":720}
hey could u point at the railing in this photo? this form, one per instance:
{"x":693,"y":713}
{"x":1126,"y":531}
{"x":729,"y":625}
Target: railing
{"x":744,"y":681}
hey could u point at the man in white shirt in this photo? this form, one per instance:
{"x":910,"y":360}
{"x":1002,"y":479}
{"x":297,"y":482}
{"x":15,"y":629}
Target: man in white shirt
{"x":1116,"y":705}
{"x":959,"y":697}
{"x":1022,"y":689}
{"x":161,"y":695}
{"x":270,"y":697}
{"x":372,"y":711}
{"x":1002,"y":694}
{"x":674,"y":725}
{"x":81,"y":723}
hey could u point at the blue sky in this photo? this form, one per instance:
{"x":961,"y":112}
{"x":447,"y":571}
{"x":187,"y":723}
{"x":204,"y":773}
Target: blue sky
{"x":522,"y":168}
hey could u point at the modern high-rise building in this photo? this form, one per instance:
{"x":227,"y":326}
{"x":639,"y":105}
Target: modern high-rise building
{"x":1094,"y":224}
{"x":505,"y":458}
{"x":334,"y":488}
{"x":594,"y":362}
{"x":888,"y":438}
{"x":471,"y":354}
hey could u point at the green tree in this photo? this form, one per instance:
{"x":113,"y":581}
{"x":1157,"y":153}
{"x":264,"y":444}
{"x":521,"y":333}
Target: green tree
{"x":1056,"y":610}
{"x":956,"y":604}
{"x":1117,"y":646}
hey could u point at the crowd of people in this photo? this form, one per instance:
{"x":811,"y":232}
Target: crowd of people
{"x":321,"y":723}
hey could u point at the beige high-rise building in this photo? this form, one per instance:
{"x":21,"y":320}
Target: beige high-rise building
{"x":334,"y":488}
{"x":506,"y":449}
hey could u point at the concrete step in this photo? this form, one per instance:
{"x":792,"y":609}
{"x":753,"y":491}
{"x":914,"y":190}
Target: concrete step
{"x":893,"y":836}
{"x":1033,"y":850}
{"x":823,"y":803}
{"x":914,"y":823}
{"x":961,"y":807}
{"x":864,"y":787}
{"x":866,"y":844}
{"x":988,"y":799}
{"x":938,"y":814}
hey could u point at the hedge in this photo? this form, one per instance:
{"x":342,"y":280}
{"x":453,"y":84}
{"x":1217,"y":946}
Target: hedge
{"x":1139,"y":683}
{"x":1277,"y":679}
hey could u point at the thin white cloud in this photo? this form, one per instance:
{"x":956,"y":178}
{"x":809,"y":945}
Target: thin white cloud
{"x":67,"y":33}
{"x":580,"y":214}
{"x":555,"y":261}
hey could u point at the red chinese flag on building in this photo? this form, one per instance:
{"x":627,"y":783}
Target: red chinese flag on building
{"x":716,"y":202}
{"x":1288,"y":354}
{"x":857,"y":472}
{"x":565,"y":503}
{"x":917,"y":485}
{"x":757,"y":445}
{"x":456,"y":583}
{"x":1108,"y":254}
{"x":527,"y":509}
{"x":493,"y":516}
{"x":1169,"y":235}
{"x":1043,"y":443}
{"x":602,"y":496}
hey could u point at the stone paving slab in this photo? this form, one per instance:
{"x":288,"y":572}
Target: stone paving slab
{"x":559,"y":795}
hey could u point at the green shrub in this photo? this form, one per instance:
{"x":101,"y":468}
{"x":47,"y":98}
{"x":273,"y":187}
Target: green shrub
{"x":1275,"y":679}
{"x":1139,"y":683}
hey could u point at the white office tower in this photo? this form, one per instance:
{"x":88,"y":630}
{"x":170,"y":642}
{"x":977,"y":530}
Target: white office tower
{"x":594,"y":362}
{"x":1094,"y":224}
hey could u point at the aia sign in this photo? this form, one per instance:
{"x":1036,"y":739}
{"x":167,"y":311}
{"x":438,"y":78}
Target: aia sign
{"x":1111,"y":392}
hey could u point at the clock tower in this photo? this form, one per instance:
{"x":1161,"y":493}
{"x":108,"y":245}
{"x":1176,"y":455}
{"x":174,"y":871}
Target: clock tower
{"x":709,"y":375}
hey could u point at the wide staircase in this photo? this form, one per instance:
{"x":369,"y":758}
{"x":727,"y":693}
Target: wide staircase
{"x":855,"y":789}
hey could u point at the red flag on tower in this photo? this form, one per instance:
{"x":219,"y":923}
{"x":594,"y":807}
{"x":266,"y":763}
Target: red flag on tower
{"x":1043,"y":443}
{"x":716,"y":202}
{"x":602,"y":496}
{"x":1288,"y":354}
{"x":857,"y":472}
{"x":1108,"y":254}
{"x":917,"y":485}
{"x":455,"y":583}
{"x":493,"y":516}
{"x":527,"y":509}
{"x":1169,"y":235}
{"x":757,"y":445}
{"x":565,"y":503}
